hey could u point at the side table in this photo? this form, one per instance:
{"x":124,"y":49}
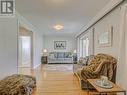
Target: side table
{"x":100,"y":90}
{"x":44,"y":60}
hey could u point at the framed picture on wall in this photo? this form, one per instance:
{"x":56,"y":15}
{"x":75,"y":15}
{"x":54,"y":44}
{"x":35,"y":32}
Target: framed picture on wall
{"x":105,"y":38}
{"x":60,"y":45}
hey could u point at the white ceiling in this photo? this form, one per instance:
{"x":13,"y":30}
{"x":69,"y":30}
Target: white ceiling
{"x":72,"y":14}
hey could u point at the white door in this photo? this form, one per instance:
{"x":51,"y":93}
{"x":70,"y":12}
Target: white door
{"x":24,"y":51}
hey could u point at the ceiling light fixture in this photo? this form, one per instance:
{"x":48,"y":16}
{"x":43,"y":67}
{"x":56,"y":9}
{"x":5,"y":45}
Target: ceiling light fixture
{"x":58,"y":27}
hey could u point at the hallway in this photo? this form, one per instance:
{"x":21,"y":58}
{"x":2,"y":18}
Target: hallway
{"x":55,"y":82}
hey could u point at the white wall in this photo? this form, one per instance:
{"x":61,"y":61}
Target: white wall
{"x":37,"y":40}
{"x":112,"y":19}
{"x":8,"y":46}
{"x":70,"y":43}
{"x":37,"y":49}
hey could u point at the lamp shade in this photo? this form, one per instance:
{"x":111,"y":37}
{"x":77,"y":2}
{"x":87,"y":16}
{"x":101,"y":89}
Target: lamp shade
{"x":45,"y":50}
{"x":75,"y":51}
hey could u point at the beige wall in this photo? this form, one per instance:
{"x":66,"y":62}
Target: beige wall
{"x":24,"y":32}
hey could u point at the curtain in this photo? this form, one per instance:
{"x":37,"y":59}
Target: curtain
{"x":122,"y":56}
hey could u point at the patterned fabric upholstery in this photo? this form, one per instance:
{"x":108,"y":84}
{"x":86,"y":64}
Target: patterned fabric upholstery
{"x":17,"y":85}
{"x":101,"y":64}
{"x":83,"y":61}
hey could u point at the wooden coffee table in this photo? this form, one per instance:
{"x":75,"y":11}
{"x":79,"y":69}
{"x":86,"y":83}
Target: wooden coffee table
{"x":100,"y":90}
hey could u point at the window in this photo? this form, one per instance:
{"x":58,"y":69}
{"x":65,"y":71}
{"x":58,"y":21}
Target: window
{"x":86,"y":44}
{"x":84,"y":47}
{"x":80,"y":48}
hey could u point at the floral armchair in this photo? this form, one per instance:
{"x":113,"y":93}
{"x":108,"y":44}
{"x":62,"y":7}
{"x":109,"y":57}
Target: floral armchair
{"x":100,"y":64}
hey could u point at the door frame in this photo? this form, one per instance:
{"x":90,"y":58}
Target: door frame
{"x":25,"y":32}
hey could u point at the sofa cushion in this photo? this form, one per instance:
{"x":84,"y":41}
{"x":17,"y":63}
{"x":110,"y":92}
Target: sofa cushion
{"x":60,"y":55}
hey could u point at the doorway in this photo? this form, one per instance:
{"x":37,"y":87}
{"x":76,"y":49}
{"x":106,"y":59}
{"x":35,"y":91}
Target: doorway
{"x":25,"y":50}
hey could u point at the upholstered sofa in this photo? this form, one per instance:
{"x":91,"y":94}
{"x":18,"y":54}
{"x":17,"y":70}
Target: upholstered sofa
{"x":100,"y":64}
{"x":60,"y":57}
{"x":17,"y":85}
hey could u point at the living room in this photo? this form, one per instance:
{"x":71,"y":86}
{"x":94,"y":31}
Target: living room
{"x":103,"y":33}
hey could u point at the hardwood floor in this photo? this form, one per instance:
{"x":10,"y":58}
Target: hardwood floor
{"x":53,"y":82}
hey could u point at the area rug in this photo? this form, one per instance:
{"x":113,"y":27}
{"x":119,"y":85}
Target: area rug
{"x":58,"y":67}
